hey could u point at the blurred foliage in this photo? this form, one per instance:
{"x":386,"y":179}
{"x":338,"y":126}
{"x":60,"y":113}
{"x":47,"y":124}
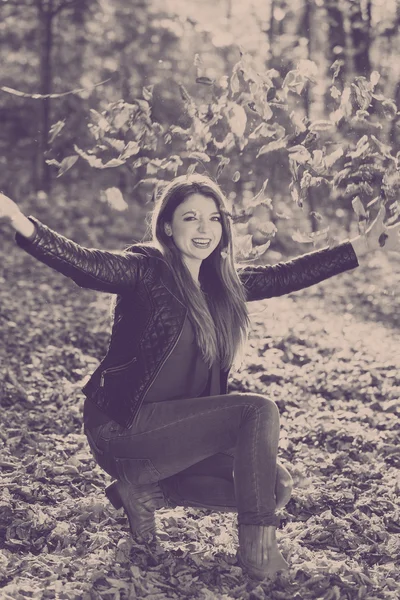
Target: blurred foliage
{"x":310,"y":103}
{"x":246,"y":118}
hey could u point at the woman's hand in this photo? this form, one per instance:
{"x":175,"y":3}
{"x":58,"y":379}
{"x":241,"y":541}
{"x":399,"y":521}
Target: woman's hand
{"x":8,"y":209}
{"x":380,"y":236}
{"x":10,"y":213}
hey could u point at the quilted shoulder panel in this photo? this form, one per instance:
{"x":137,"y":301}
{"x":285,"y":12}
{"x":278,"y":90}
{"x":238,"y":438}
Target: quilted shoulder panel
{"x":101,"y":270}
{"x":283,"y":278}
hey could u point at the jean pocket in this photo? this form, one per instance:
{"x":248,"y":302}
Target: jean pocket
{"x":137,"y":471}
{"x":100,"y":456}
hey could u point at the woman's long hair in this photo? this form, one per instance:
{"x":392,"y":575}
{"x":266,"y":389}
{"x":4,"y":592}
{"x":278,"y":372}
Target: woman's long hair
{"x":219,"y":315}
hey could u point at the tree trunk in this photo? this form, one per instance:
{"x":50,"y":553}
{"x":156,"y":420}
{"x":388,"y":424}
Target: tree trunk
{"x":271,"y":31}
{"x":360,"y":21}
{"x":46,"y":16}
{"x":336,"y":47}
{"x":305,"y":29}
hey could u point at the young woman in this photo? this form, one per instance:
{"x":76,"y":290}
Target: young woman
{"x":157,"y":413}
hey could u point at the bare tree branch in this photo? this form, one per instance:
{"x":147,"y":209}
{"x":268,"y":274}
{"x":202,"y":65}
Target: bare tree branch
{"x":65,"y":4}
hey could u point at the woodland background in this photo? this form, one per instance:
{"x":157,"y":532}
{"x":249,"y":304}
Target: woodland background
{"x":294,"y":108}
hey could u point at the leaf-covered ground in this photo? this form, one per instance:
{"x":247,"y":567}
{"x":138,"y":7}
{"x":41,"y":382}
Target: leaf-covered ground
{"x":329,"y":356}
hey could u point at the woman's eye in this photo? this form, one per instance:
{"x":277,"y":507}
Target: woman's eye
{"x":193,"y":218}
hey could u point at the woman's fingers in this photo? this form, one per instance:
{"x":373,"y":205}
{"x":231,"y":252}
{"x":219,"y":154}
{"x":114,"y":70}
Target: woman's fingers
{"x":389,"y":239}
{"x":394,"y":235}
{"x":381,"y":236}
{"x":8,"y":208}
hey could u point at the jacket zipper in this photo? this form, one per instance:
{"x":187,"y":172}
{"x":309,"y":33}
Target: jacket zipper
{"x":165,"y":360}
{"x":115,"y":369}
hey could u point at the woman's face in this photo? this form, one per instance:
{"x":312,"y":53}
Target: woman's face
{"x":196,"y":227}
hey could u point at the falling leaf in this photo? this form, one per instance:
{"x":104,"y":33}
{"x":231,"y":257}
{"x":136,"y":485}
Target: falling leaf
{"x":272,"y":146}
{"x":262,"y":130}
{"x":301,"y":237}
{"x":117,"y":145}
{"x":93,"y":161}
{"x":335,"y":92}
{"x":389,"y":109}
{"x":221,"y":165}
{"x":321,"y":125}
{"x":198,"y":62}
{"x":308,"y":69}
{"x":53,"y":162}
{"x":294,"y":82}
{"x":244,"y":245}
{"x":294,"y":192}
{"x":132,"y":148}
{"x":114,"y":162}
{"x":362,"y":92}
{"x":204,"y":80}
{"x":359,"y":209}
{"x":115,"y":199}
{"x":237,"y":119}
{"x":234,"y":83}
{"x":185,"y":94}
{"x":300,"y":154}
{"x":191,"y":169}
{"x":374,"y":78}
{"x":148,"y":93}
{"x":100,"y":120}
{"x":55,"y":130}
{"x":200,"y":156}
{"x":96,"y":162}
{"x":258,"y":198}
{"x":223,"y":82}
{"x":384,"y":148}
{"x":258,"y":251}
{"x":331,"y":158}
{"x":236,"y":176}
{"x":66,"y":164}
{"x":316,"y":215}
{"x":336,"y":67}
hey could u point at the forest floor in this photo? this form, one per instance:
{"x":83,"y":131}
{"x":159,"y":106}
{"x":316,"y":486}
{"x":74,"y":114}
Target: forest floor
{"x":329,"y":356}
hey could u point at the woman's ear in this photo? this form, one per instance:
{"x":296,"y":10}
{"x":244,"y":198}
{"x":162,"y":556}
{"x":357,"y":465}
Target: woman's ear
{"x":167,"y":229}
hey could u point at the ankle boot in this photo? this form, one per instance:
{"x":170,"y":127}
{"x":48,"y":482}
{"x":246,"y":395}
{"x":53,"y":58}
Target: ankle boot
{"x":258,"y":552}
{"x":139,"y":503}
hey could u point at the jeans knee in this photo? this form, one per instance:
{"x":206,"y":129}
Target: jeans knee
{"x":263,"y":405}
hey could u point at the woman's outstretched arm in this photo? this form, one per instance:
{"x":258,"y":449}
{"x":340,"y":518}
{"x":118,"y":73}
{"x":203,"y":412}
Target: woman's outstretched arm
{"x":283,"y":278}
{"x":101,"y":270}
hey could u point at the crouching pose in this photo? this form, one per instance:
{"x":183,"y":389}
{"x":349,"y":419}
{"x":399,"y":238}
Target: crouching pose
{"x":157,"y":414}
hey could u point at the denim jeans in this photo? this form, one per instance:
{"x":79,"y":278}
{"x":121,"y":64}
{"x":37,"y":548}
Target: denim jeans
{"x":217,"y":452}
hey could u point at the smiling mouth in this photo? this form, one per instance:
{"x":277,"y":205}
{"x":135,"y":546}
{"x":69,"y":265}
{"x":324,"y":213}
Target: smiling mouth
{"x":200,"y":243}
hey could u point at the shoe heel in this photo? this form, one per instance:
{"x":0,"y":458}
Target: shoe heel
{"x":112,"y":494}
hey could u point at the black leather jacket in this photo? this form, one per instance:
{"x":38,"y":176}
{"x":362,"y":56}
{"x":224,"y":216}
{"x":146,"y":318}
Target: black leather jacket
{"x":149,"y":315}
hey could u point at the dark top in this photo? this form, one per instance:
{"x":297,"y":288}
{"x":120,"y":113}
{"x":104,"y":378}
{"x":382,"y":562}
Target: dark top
{"x":184,"y":375}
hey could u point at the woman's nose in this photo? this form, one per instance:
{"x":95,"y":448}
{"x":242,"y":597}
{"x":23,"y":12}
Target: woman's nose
{"x":202,"y":226}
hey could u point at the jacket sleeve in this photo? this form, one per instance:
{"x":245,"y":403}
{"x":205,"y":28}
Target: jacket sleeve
{"x":269,"y":281}
{"x":101,"y":270}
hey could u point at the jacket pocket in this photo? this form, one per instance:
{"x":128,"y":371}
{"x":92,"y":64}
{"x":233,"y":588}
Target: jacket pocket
{"x":136,"y":471}
{"x":117,"y":382}
{"x":118,"y":369}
